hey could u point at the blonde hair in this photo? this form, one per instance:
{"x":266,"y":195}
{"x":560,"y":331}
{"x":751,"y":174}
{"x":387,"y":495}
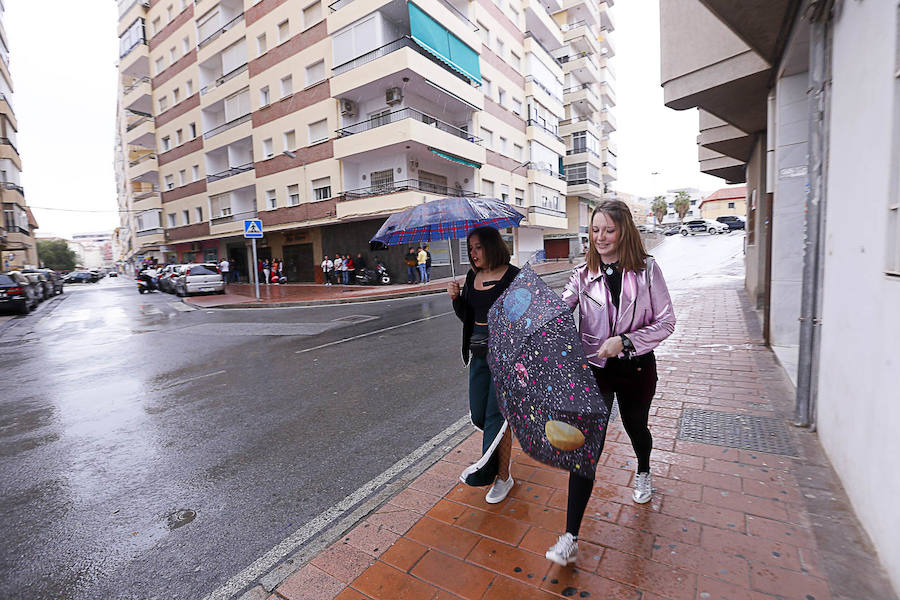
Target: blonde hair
{"x":632,"y":254}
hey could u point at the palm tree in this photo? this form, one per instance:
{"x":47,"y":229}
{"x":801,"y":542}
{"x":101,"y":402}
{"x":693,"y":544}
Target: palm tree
{"x":659,"y":207}
{"x":682,"y":204}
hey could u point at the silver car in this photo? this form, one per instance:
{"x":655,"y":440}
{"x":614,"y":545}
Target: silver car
{"x":199,"y":278}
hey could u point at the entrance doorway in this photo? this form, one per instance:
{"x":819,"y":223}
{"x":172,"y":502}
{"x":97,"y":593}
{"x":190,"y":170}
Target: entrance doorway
{"x":298,"y":262}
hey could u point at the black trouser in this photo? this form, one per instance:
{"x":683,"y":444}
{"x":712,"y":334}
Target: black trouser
{"x":633,"y":382}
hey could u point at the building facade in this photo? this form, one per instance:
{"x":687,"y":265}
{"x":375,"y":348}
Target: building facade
{"x":17,"y":228}
{"x":730,"y":201}
{"x":322,"y":119}
{"x":802,"y":102}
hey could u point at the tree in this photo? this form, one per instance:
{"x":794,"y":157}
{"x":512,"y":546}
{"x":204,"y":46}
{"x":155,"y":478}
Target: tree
{"x":659,"y":207}
{"x":682,"y":204}
{"x":56,"y":255}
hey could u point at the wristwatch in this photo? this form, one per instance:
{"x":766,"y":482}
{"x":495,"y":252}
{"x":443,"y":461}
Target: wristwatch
{"x":627,"y":346}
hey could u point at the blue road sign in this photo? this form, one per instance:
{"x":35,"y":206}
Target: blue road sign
{"x":253,"y":228}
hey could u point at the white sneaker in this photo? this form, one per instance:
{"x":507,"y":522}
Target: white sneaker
{"x":564,"y":551}
{"x":643,"y":488}
{"x":499,"y":490}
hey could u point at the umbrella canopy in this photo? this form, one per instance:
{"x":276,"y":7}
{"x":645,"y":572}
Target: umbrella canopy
{"x":545,"y":387}
{"x":446,"y":218}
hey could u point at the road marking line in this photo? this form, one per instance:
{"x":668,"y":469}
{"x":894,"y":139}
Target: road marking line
{"x":269,"y":560}
{"x":362,"y":335}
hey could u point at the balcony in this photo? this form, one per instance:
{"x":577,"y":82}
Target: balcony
{"x":581,"y":11}
{"x":532,"y":84}
{"x":407,"y":128}
{"x":607,"y":120}
{"x":140,"y":130}
{"x":582,"y":67}
{"x":229,"y":172}
{"x":542,"y":25}
{"x":129,"y":10}
{"x":393,"y":197}
{"x":405,"y":186}
{"x":137,"y":96}
{"x":584,"y":180}
{"x":211,"y":37}
{"x":577,"y":123}
{"x":135,"y":62}
{"x":218,"y":81}
{"x":606,"y":16}
{"x":582,"y":99}
{"x":233,"y":218}
{"x":144,"y":191}
{"x":226,"y":126}
{"x":144,"y":168}
{"x":547,"y":218}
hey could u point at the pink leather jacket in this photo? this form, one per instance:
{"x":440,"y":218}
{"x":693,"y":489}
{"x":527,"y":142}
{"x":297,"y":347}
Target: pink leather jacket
{"x":646,"y":315}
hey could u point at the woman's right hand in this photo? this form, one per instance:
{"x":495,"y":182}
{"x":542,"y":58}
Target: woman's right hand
{"x":453,"y":290}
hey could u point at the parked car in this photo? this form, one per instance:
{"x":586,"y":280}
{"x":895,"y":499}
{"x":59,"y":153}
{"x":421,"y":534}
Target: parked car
{"x":55,"y":281}
{"x":199,"y":278}
{"x":16,"y":293}
{"x":732,"y":221}
{"x":645,"y":228}
{"x":80,"y":277}
{"x":703,"y":226}
{"x":40,"y":285}
{"x":113,"y":274}
{"x":167,"y":278}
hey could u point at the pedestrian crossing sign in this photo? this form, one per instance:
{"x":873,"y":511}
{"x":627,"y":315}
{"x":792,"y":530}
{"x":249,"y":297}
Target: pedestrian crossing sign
{"x":253,"y":228}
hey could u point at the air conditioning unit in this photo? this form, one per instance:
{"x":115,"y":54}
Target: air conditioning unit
{"x":348,"y":108}
{"x":393,"y":96}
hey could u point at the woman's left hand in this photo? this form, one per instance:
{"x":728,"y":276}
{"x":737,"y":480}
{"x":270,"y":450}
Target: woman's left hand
{"x":611,"y":347}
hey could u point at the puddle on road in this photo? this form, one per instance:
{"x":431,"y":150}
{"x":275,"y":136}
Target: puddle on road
{"x":180,"y":518}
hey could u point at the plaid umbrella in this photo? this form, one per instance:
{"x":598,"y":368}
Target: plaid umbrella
{"x":445,"y":219}
{"x":544,"y":384}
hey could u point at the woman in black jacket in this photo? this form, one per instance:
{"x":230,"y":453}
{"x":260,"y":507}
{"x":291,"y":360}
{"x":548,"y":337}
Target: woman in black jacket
{"x":488,"y":278}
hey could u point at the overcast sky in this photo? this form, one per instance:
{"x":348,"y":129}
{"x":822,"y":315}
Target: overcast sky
{"x":64,"y":77}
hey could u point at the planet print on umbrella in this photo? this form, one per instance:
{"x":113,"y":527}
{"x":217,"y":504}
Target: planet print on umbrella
{"x":516,"y":303}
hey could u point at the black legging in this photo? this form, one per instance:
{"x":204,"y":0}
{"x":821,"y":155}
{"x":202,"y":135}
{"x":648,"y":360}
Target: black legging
{"x":634,"y":383}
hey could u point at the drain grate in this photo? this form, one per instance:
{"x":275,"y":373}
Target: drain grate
{"x":748,"y":432}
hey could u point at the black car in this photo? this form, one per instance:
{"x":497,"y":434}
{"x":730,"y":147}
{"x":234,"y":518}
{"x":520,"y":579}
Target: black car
{"x":81,"y":277}
{"x":16,"y":293}
{"x":732,"y":221}
{"x":42,"y":288}
{"x":54,"y":283}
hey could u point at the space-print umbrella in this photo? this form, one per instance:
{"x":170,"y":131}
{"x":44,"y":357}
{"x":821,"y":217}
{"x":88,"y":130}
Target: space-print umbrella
{"x":544,"y":384}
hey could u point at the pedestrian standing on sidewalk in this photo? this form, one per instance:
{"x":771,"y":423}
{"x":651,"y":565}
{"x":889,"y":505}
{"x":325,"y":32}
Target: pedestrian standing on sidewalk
{"x":625,"y":312}
{"x":327,"y":268}
{"x":411,"y":262}
{"x":489,"y":276}
{"x":421,"y":263}
{"x":427,"y":262}
{"x":345,"y":269}
{"x":338,"y":261}
{"x":351,"y":266}
{"x":224,"y":268}
{"x":232,"y":269}
{"x":360,"y":264}
{"x":267,"y":271}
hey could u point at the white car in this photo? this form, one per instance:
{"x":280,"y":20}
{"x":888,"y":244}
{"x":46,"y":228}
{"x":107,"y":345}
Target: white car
{"x":703,"y":226}
{"x":198,"y":278}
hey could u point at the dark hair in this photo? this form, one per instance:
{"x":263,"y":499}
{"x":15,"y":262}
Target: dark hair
{"x":632,"y":254}
{"x":496,"y":252}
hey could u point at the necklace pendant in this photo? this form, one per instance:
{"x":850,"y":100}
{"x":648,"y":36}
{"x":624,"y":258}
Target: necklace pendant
{"x":609,"y":270}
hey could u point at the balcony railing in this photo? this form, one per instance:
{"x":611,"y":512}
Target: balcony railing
{"x":229,"y":172}
{"x":406,"y":113}
{"x":582,"y":181}
{"x":8,"y":142}
{"x":9,"y":185}
{"x":398,"y":44}
{"x":229,"y":75}
{"x":137,"y":123}
{"x":226,"y":126}
{"x":554,"y":131}
{"x":546,"y":210}
{"x":532,"y":79}
{"x":247,"y":214}
{"x":221,"y":30}
{"x":571,"y":57}
{"x":582,"y":151}
{"x":528,"y":34}
{"x":128,"y":50}
{"x":140,"y":159}
{"x":571,"y":26}
{"x":339,"y":4}
{"x":545,"y":169}
{"x":144,"y":194}
{"x":150,"y":231}
{"x":405,"y":186}
{"x":134,"y":85}
{"x":125,"y":5}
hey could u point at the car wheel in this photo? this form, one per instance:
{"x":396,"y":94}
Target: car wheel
{"x":712,"y":231}
{"x":684,"y":232}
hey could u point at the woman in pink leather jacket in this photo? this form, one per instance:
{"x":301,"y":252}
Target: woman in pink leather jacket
{"x":624,"y":313}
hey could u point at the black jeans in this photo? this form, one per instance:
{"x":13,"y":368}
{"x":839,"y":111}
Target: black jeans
{"x":633,"y":382}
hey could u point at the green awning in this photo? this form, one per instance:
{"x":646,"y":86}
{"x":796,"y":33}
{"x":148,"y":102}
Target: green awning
{"x":456,"y":159}
{"x":437,"y":40}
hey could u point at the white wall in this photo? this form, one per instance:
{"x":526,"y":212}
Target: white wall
{"x":858,"y":397}
{"x":529,"y":240}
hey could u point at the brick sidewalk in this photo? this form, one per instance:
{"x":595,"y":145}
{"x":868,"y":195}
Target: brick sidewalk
{"x":724,"y":522}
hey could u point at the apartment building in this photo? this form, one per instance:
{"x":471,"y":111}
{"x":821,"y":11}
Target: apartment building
{"x":801,"y":100}
{"x":730,"y":201}
{"x":322,"y":119}
{"x":17,"y":228}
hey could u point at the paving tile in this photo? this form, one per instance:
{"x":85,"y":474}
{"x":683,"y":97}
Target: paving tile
{"x":611,"y":535}
{"x":446,"y":469}
{"x":498,"y":527}
{"x":754,"y":548}
{"x":473,"y":496}
{"x":343,"y":561}
{"x":371,"y":539}
{"x":647,"y":575}
{"x":714,"y":589}
{"x":446,"y":511}
{"x":310,"y":583}
{"x":654,"y":523}
{"x":510,"y":561}
{"x":504,"y":588}
{"x":780,"y":531}
{"x":578,"y":583}
{"x":681,"y":489}
{"x":431,"y":483}
{"x":597,"y":508}
{"x":531,"y":492}
{"x":721,"y":481}
{"x":435,"y":534}
{"x":404,"y":554}
{"x":449,"y":573}
{"x":394,"y":518}
{"x":383,"y":582}
{"x":765,"y":489}
{"x":754,"y":505}
{"x":548,"y":478}
{"x":351,"y":594}
{"x":702,"y":561}
{"x":787,"y":584}
{"x":415,"y":500}
{"x":532,"y":514}
{"x":703,"y":513}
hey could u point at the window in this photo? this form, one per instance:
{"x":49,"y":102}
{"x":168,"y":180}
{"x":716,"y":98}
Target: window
{"x":261,"y":46}
{"x":166,"y":143}
{"x":160,"y":65}
{"x":185,"y":45}
{"x":318,"y":131}
{"x":156,"y":26}
{"x":176,"y":96}
{"x":315,"y":73}
{"x":163,"y":104}
{"x":731,"y":205}
{"x":517,"y":106}
{"x":170,"y":13}
{"x":267,"y":148}
{"x":504,"y":193}
{"x":382,"y":180}
{"x":178,"y":137}
{"x":193,"y":129}
{"x":517,"y":152}
{"x":488,"y":136}
{"x":173,"y":55}
{"x":486,"y":87}
{"x":520,"y":197}
{"x":501,"y":96}
{"x":283,"y":31}
{"x":293,"y":194}
{"x":515,"y":60}
{"x":170,"y":182}
{"x":312,"y":14}
{"x":182,"y":177}
{"x":271,"y":201}
{"x":484,"y":33}
{"x":487,"y":188}
{"x":189,"y":88}
{"x":287,"y":86}
{"x":186,"y":216}
{"x":501,"y":47}
{"x":195,"y":172}
{"x":171,"y":219}
{"x":504,"y":147}
{"x":321,"y":188}
{"x":290,"y":140}
{"x":264,"y":96}
{"x":199,"y":213}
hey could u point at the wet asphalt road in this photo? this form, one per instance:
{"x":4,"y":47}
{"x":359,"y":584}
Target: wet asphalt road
{"x":120,"y":410}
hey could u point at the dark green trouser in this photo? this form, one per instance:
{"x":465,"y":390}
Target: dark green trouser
{"x":486,"y":416}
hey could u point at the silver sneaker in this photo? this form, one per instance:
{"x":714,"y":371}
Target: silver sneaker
{"x":564,"y":551}
{"x":499,"y":490}
{"x":643,"y":488}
